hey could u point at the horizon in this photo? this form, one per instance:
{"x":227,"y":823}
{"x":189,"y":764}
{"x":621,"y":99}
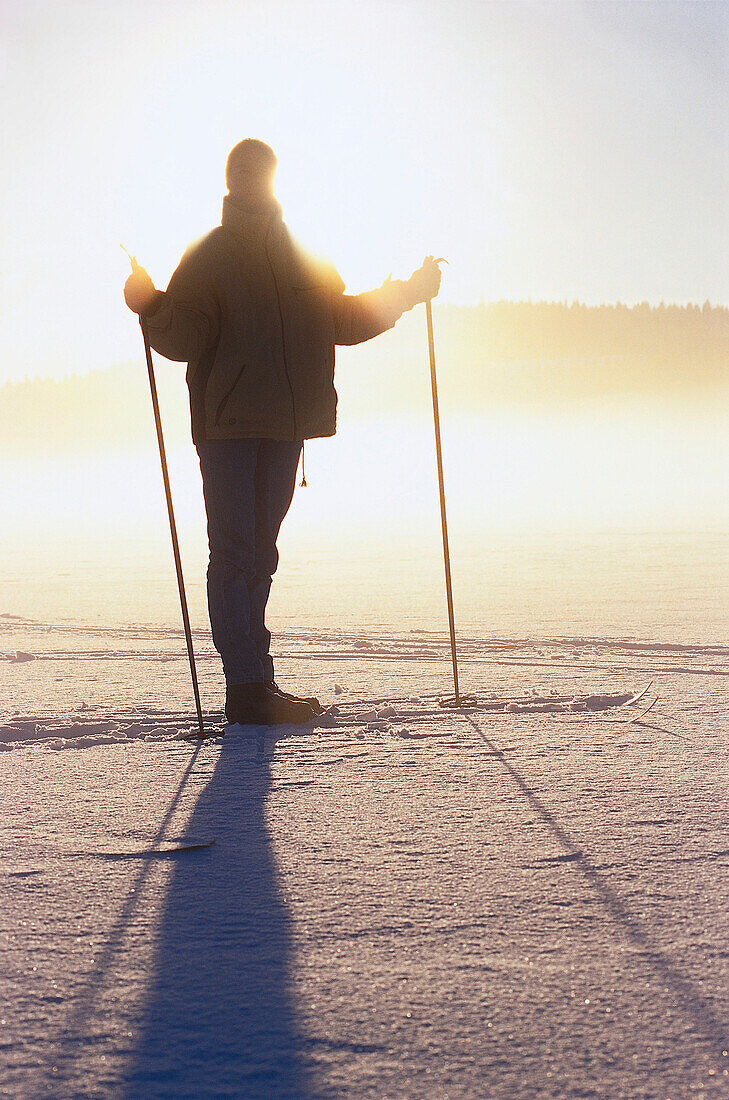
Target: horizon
{"x":442,"y":307}
{"x":558,"y":400}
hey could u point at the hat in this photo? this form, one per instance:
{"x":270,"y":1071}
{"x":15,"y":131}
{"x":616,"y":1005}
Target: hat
{"x":249,"y":158}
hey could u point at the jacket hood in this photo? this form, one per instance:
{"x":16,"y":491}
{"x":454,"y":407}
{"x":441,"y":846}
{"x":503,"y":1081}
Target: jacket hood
{"x":251,"y":220}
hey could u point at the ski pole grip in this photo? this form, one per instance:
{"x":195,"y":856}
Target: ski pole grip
{"x":132,"y":259}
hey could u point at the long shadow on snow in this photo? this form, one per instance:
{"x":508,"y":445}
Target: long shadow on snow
{"x":219,"y":1019}
{"x":698,"y":1012}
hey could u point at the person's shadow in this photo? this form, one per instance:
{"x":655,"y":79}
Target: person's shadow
{"x":219,"y":1019}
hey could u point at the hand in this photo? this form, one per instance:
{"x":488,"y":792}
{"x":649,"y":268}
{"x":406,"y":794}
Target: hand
{"x":425,"y":282}
{"x":139,"y":290}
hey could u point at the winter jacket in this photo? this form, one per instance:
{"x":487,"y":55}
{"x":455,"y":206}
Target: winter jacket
{"x":256,"y":319}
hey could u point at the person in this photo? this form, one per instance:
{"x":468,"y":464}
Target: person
{"x":257,"y":319}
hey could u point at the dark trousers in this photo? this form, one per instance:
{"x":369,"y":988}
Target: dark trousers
{"x":248,"y":486}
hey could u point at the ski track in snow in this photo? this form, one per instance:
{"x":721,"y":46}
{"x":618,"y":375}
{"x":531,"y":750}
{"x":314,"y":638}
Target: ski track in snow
{"x":381,"y":715}
{"x":590,"y":674}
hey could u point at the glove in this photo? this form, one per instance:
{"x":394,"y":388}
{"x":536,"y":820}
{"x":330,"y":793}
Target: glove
{"x":425,"y":282}
{"x":139,"y":291}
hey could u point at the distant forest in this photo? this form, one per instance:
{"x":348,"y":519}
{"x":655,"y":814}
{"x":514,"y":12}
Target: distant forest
{"x":541,"y":350}
{"x":553,"y":330}
{"x":517,"y":353}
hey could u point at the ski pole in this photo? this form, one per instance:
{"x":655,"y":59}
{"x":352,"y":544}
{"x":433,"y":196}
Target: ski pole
{"x":171,"y":514}
{"x":441,"y":490}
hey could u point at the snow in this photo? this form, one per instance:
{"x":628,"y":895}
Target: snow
{"x":520,"y":899}
{"x":526,"y":898}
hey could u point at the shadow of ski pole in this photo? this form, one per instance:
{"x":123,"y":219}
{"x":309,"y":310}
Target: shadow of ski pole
{"x":87,"y":996}
{"x":687,"y":995}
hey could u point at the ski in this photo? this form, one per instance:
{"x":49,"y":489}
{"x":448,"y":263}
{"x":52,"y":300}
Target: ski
{"x":580,"y":703}
{"x":637,"y":717}
{"x":639,"y":695}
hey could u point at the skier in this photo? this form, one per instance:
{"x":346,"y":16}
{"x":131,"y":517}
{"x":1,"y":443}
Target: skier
{"x":257,"y":319}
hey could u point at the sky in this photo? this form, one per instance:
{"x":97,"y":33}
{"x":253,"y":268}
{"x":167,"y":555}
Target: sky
{"x":549,"y":150}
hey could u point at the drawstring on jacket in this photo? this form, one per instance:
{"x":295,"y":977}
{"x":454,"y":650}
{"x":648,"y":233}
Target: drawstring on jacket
{"x":303,"y":483}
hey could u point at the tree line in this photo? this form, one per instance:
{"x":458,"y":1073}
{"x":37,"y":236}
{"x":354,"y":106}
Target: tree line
{"x":551,"y":330}
{"x":545,"y":349}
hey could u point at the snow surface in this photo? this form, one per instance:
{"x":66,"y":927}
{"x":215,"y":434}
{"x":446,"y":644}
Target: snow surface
{"x":527,"y":898}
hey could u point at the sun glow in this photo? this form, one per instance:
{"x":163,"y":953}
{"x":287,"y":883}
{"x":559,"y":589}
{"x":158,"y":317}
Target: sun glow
{"x":401,"y":129}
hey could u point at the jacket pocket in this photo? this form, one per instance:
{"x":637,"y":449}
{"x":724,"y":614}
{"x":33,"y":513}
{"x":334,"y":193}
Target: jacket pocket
{"x":226,"y":396}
